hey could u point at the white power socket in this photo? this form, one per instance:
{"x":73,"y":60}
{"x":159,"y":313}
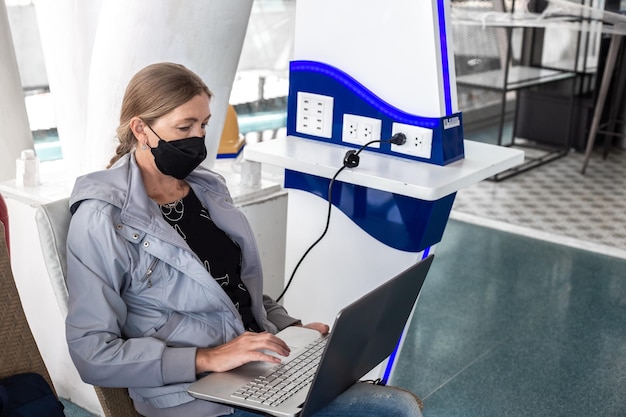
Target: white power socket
{"x":360,"y":130}
{"x":419,"y":140}
{"x":314,"y":115}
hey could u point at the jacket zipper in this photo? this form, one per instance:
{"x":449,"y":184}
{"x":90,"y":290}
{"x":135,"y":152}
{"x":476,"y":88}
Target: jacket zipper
{"x":148,"y":275}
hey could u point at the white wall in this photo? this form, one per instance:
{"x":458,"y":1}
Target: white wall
{"x":15,"y":134}
{"x":27,"y":43}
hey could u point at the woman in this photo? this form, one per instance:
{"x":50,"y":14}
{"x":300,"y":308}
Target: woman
{"x":164,"y":276}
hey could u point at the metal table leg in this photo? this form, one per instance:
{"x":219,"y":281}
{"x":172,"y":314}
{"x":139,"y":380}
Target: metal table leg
{"x":616,"y":42}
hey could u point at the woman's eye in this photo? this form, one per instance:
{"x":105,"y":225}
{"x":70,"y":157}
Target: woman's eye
{"x":183,"y":129}
{"x":204,"y":125}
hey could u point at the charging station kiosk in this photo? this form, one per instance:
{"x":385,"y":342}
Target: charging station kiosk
{"x":362,"y":72}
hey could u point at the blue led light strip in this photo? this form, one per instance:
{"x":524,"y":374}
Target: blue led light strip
{"x":364,"y":93}
{"x":444,"y":56}
{"x":392,"y":357}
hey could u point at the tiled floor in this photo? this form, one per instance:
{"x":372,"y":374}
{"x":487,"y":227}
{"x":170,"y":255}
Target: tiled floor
{"x":519,"y":324}
{"x":556,"y":202}
{"x":72,"y":410}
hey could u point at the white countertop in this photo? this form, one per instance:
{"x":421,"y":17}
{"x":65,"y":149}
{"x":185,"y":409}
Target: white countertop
{"x":57,"y":184}
{"x":419,"y":180}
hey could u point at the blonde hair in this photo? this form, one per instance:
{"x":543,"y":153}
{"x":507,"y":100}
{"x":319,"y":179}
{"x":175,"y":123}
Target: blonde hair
{"x":153,"y":92}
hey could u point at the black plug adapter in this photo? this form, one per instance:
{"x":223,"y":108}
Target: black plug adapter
{"x":398,"y":139}
{"x":351,"y":160}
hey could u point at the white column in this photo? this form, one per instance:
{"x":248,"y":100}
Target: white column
{"x":15,"y":135}
{"x":93,"y":48}
{"x":67,"y":29}
{"x":393,"y":47}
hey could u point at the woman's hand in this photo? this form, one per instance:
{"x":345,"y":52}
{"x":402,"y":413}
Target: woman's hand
{"x":248,"y":347}
{"x":320,"y":327}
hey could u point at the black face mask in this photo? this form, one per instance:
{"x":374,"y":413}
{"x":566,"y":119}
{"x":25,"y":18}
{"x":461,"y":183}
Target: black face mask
{"x":180,"y":157}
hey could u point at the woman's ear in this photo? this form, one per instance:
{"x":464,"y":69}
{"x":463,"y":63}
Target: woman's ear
{"x":138,"y":127}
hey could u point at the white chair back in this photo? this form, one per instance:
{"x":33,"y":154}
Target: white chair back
{"x":53,"y":222}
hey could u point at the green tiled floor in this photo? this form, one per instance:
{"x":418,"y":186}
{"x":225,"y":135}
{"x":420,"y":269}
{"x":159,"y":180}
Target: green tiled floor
{"x":511,"y":326}
{"x":72,"y":410}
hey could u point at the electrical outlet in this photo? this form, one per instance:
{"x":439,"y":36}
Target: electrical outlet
{"x":419,"y":140}
{"x":314,"y":115}
{"x":359,"y":130}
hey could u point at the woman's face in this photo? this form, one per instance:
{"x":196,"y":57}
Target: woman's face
{"x":187,"y":120}
{"x":183,"y":124}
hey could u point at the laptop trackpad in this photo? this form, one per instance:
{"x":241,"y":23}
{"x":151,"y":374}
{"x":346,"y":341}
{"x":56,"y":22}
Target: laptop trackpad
{"x":297,"y":338}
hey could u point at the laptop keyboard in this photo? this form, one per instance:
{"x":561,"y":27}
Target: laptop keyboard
{"x":286,"y":379}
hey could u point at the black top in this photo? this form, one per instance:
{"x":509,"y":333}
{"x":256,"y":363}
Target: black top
{"x":221,"y":254}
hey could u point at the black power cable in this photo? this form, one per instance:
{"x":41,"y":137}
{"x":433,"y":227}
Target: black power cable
{"x":350,"y":160}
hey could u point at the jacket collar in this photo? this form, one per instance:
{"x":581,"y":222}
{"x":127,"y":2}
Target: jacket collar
{"x":122,"y":186}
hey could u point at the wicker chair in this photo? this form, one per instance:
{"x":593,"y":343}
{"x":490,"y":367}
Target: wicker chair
{"x":53,"y":221}
{"x":20,"y":353}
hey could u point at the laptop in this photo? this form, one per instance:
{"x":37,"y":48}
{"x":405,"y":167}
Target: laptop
{"x":364,"y":334}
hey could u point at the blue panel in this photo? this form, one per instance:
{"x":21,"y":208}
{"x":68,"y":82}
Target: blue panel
{"x":398,"y":221}
{"x":443,"y":45}
{"x":352,"y":97}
